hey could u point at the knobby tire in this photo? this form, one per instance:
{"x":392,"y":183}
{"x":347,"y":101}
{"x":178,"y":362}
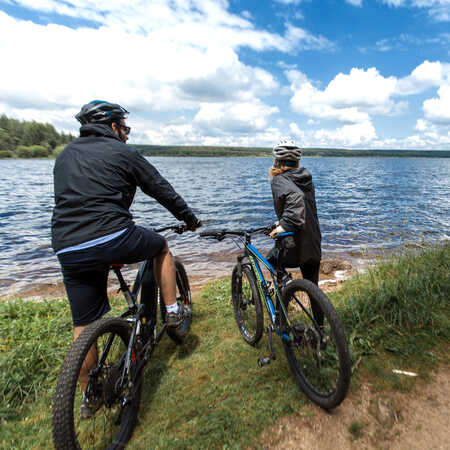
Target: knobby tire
{"x":68,"y":429}
{"x":247,"y":305}
{"x":323,"y":374}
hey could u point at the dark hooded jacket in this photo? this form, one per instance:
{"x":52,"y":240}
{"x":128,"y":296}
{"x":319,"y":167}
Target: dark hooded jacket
{"x":295,"y":206}
{"x":95,"y":180}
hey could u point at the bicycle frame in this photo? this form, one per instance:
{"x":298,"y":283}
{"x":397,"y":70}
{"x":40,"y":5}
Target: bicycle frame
{"x":134,"y":310}
{"x":256,"y":258}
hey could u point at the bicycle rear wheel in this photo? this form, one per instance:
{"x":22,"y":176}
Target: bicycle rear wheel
{"x":183,"y":296}
{"x":247,"y":305}
{"x":114,"y":408}
{"x":318,"y":356}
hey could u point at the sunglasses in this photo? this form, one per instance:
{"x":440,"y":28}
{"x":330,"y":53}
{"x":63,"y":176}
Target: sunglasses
{"x":125,"y":129}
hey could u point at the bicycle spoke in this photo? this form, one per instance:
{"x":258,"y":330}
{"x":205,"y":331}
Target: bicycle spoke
{"x":96,"y":419}
{"x":317,"y":350}
{"x":247,"y":304}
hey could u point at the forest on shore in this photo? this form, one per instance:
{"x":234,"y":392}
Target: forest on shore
{"x":22,"y":139}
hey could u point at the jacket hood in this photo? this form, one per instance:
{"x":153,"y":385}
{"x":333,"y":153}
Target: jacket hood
{"x":301,"y":177}
{"x":97,"y":129}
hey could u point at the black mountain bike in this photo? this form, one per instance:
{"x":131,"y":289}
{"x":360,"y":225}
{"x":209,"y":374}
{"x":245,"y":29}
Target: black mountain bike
{"x":300,"y":313}
{"x":124,"y":345}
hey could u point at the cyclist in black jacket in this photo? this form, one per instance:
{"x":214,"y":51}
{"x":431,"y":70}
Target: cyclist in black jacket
{"x":295,"y":206}
{"x":95,"y":180}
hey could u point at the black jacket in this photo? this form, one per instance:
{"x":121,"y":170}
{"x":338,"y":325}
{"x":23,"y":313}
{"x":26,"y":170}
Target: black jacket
{"x":95,"y":180}
{"x":295,"y":206}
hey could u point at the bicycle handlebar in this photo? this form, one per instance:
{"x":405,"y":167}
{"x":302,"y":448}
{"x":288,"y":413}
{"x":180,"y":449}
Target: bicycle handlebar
{"x":220,"y":234}
{"x":179,"y":229}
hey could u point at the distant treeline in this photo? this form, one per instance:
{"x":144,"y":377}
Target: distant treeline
{"x":169,"y":150}
{"x":21,"y":139}
{"x":30,"y":139}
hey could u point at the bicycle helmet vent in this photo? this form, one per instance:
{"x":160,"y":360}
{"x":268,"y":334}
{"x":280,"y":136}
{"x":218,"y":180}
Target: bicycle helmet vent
{"x":99,"y":111}
{"x":287,"y":150}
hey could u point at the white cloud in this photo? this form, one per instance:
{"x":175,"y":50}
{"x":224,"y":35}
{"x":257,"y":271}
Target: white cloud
{"x":289,"y":2}
{"x":429,"y":140}
{"x":426,"y":75}
{"x":437,"y":110}
{"x":347,"y":98}
{"x":394,"y":3}
{"x":421,"y":125}
{"x":157,"y":56}
{"x":354,"y":2}
{"x":299,"y":39}
{"x":240,"y":118}
{"x":297,"y":132}
{"x":438,"y":10}
{"x":359,"y":134}
{"x":190,"y":134}
{"x":355,"y":97}
{"x":175,"y":65}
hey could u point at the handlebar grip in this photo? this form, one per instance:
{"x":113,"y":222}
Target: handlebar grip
{"x":285,"y":234}
{"x":213,"y":234}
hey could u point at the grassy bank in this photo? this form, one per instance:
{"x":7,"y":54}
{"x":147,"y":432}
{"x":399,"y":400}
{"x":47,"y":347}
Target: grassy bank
{"x":210,"y":392}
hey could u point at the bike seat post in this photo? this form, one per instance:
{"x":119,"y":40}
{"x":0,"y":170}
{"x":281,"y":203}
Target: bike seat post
{"x":283,"y":276}
{"x":124,"y":286}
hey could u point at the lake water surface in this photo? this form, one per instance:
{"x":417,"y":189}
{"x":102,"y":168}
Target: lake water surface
{"x":364,"y":204}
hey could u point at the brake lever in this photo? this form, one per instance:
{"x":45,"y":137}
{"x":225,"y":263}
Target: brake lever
{"x":269,"y":229}
{"x":180,"y":229}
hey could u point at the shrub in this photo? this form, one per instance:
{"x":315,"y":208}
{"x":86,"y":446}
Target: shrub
{"x":57,"y":150}
{"x":6,"y":154}
{"x":32,"y":151}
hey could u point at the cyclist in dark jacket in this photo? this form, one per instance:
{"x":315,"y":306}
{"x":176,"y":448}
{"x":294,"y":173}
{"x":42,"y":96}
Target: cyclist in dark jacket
{"x":95,"y":180}
{"x":295,"y":206}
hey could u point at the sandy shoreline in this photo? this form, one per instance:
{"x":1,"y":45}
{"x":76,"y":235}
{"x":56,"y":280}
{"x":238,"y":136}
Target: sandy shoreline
{"x":333,"y":272}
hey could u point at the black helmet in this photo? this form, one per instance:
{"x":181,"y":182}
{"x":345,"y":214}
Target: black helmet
{"x":99,"y":111}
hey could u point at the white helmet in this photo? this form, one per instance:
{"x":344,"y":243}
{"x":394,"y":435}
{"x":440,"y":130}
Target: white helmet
{"x":287,"y":150}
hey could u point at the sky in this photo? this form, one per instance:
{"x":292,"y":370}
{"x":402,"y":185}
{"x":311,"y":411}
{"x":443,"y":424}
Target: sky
{"x":366,"y":74}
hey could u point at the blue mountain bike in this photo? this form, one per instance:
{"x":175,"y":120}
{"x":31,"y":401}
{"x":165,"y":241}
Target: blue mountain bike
{"x":299,"y":312}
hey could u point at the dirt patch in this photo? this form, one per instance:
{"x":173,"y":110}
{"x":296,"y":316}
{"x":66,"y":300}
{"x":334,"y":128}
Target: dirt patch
{"x":367,"y":419}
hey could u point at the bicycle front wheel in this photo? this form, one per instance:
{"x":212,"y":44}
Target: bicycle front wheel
{"x":247,"y":305}
{"x":109,"y":419}
{"x":315,"y":344}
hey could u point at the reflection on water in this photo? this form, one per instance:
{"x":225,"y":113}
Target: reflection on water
{"x":364,"y":204}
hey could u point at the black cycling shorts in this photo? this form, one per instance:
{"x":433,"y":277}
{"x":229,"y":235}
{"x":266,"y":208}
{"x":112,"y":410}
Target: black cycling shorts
{"x":85,"y":272}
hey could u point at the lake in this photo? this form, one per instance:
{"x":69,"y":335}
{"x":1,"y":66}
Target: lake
{"x":364,"y":205}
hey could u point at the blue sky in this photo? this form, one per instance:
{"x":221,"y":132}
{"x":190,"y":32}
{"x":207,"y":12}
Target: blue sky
{"x":332,"y":73}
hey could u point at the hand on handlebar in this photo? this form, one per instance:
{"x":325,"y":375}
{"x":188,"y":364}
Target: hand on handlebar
{"x":194,"y":225}
{"x":277,"y":230}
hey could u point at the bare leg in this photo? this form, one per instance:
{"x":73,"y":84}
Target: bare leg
{"x":89,"y":362}
{"x":165,"y":275}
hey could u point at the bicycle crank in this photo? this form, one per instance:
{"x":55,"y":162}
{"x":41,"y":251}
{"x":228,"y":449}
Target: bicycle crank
{"x":264,"y":360}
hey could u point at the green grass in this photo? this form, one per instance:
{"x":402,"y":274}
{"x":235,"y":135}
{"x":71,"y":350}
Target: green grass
{"x":210,"y":393}
{"x":397,"y":314}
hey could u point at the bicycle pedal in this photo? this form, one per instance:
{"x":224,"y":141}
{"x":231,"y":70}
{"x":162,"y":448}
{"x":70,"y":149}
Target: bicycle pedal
{"x":264,"y":360}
